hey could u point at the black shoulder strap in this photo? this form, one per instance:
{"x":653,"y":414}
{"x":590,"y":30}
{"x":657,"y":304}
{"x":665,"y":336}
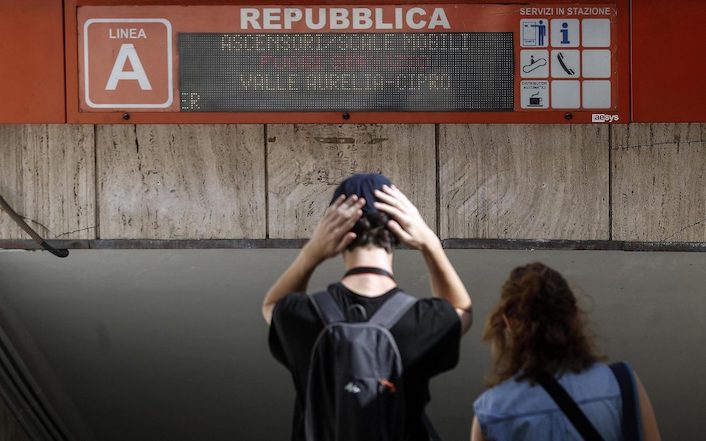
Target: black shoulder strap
{"x":569,"y":407}
{"x":393,"y":309}
{"x":631,"y":426}
{"x":327,"y":308}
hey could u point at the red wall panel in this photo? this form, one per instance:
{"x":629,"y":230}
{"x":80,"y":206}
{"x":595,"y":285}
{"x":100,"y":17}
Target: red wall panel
{"x":32,"y":66}
{"x":669,"y":60}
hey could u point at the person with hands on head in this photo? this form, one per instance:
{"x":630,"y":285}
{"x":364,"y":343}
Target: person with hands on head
{"x":366,"y":219}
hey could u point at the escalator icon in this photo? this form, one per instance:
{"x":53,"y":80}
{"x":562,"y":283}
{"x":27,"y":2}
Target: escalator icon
{"x":534,"y":64}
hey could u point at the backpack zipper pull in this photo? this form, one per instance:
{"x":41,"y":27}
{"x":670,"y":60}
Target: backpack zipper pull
{"x":388,"y":384}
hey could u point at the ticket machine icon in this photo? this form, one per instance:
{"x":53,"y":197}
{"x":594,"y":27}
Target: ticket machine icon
{"x":535,"y":100}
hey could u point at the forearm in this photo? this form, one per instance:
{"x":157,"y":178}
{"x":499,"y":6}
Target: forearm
{"x":445,"y":282}
{"x":294,"y":279}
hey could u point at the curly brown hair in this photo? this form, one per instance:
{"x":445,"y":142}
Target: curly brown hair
{"x":547,"y":330}
{"x":371,"y":229}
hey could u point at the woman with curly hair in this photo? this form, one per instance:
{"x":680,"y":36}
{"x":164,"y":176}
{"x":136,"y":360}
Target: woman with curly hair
{"x":537,"y":331}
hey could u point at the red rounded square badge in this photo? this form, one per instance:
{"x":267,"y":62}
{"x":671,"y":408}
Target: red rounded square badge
{"x":127,"y":64}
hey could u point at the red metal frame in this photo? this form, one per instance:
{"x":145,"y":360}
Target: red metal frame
{"x":580,"y":116}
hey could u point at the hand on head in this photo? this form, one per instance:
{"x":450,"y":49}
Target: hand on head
{"x":333,"y":233}
{"x":406,"y":223}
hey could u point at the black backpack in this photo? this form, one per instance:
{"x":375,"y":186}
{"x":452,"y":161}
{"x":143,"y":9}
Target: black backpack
{"x":354,"y":388}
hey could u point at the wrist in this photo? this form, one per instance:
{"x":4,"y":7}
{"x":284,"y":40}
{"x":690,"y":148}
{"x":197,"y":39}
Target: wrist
{"x":431,"y":243}
{"x":309,"y":256}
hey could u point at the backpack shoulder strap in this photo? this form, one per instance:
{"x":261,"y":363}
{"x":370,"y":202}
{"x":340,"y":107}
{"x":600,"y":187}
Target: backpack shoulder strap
{"x":326,"y":307}
{"x":569,"y":407}
{"x":631,"y":414}
{"x":393,"y":309}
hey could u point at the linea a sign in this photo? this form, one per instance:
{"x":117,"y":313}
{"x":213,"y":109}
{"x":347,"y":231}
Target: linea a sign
{"x":127,"y":63}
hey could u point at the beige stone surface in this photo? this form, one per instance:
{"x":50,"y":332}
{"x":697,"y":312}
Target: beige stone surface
{"x":306,"y":162}
{"x":494,"y":181}
{"x":47,"y":175}
{"x":524,"y":181}
{"x":659,"y":182}
{"x":181,"y":181}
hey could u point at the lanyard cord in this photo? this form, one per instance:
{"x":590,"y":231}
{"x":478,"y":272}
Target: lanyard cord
{"x":368,"y":270}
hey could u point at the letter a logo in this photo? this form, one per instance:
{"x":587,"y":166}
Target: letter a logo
{"x":128,"y":52}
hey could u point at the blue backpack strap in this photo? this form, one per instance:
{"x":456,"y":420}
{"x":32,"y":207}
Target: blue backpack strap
{"x":632,"y":427}
{"x":393,"y":309}
{"x":326,"y":307}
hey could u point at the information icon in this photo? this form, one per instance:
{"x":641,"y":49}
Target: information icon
{"x":565,"y":32}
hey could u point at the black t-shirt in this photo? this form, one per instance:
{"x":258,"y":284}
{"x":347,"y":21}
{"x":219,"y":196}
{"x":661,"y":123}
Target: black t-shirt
{"x":427,"y":336}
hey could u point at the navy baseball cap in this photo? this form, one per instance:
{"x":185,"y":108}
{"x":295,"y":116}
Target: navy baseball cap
{"x":362,"y":185}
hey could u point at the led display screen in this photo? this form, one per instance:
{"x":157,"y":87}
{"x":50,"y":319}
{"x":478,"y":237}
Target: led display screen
{"x":471,"y":71}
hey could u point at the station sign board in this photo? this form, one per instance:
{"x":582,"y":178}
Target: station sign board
{"x":352,"y":63}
